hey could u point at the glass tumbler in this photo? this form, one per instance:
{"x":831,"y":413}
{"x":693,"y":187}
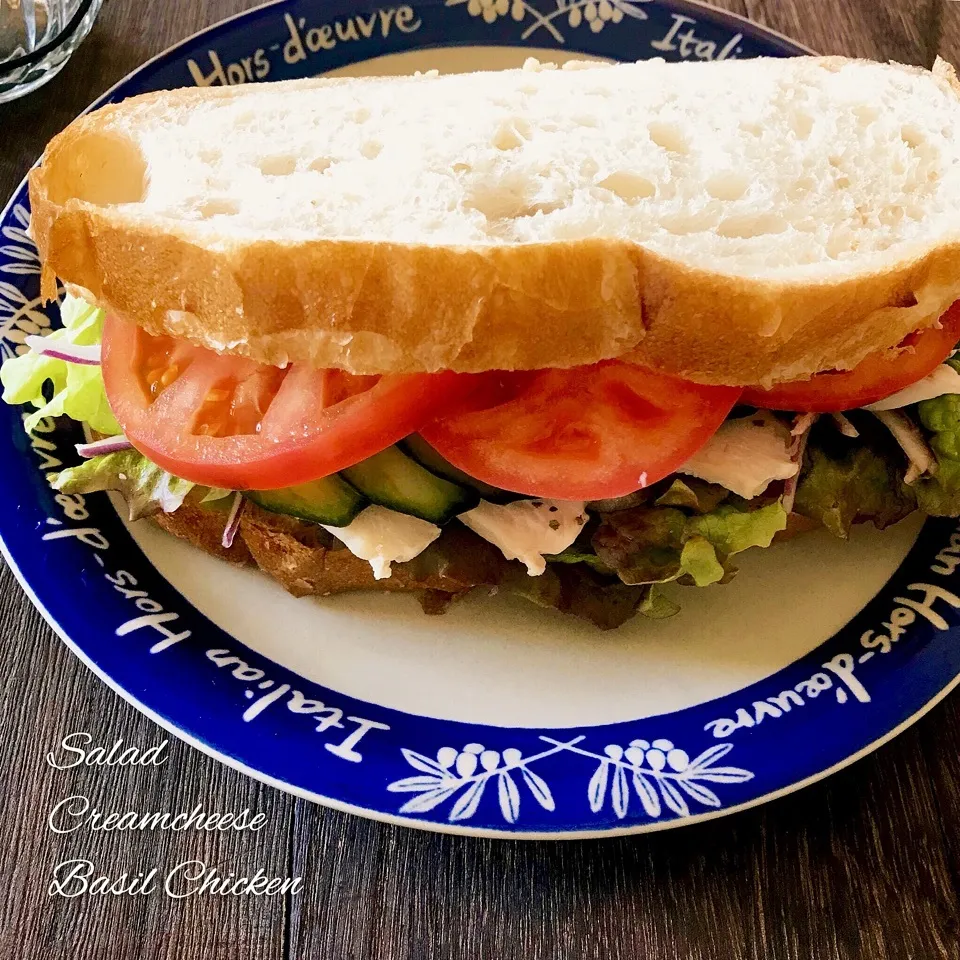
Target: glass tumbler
{"x":37,"y":38}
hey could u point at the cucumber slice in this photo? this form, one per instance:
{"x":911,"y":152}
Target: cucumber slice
{"x":330,"y":500}
{"x":394,"y":480}
{"x":418,"y":449}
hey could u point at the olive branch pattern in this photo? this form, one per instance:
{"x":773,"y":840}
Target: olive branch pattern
{"x":663,"y":777}
{"x":20,"y":315}
{"x":594,"y":14}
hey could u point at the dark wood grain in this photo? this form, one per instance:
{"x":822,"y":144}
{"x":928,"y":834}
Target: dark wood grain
{"x":865,"y":866}
{"x":904,"y":30}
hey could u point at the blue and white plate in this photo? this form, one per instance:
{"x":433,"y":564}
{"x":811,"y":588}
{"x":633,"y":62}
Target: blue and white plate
{"x":497,"y":719}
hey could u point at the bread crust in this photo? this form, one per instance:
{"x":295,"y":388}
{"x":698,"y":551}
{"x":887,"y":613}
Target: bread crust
{"x":203,"y":527}
{"x":301,"y":556}
{"x":305,"y":560}
{"x":377,"y":307}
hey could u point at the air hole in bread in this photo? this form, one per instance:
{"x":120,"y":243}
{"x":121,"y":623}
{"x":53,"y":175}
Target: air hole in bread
{"x":506,"y":138}
{"x":210,"y":155}
{"x":498,"y":208}
{"x":728,"y":185}
{"x":99,"y":168}
{"x":752,"y":129}
{"x":911,"y":136}
{"x":751,"y":225}
{"x":511,"y":134}
{"x":539,"y":207}
{"x":371,"y":149}
{"x":801,"y":188}
{"x":279,"y":165}
{"x":320,"y":164}
{"x":682,"y":224}
{"x":801,"y":123}
{"x":628,"y":186}
{"x":841,"y":242}
{"x":891,"y":215}
{"x":361,"y":115}
{"x":218,"y":207}
{"x":865,"y":113}
{"x":668,"y":136}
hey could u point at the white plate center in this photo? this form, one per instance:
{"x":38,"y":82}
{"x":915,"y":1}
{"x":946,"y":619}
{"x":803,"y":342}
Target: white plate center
{"x":502,"y":661}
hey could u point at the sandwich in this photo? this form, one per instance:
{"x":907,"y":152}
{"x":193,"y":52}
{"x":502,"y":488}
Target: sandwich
{"x":568,"y":333}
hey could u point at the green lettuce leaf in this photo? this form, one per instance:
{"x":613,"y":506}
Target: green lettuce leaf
{"x":732,"y":529}
{"x":215,"y":493}
{"x":577,"y":590}
{"x":841,"y":489}
{"x":655,"y":606}
{"x":939,"y":496}
{"x":575,"y":555}
{"x":76,"y":390}
{"x":642,"y":545}
{"x":646,"y":546}
{"x":698,"y":559}
{"x":146,"y":488}
{"x":693,"y":494}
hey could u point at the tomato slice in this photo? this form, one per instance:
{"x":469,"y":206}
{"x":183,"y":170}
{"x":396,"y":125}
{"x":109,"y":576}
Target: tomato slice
{"x":230,"y":422}
{"x":588,"y":433}
{"x":878,"y":376}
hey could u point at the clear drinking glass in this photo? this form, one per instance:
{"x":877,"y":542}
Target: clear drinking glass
{"x":37,"y":38}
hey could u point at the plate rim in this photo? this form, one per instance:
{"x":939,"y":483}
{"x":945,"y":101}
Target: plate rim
{"x":457,"y":829}
{"x":451,"y":829}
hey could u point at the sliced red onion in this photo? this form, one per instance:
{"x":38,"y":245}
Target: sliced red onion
{"x":911,"y":441}
{"x":802,"y":423}
{"x":71,"y":352}
{"x":233,"y":521}
{"x":845,"y":426}
{"x":106,"y":445}
{"x":800,"y":431}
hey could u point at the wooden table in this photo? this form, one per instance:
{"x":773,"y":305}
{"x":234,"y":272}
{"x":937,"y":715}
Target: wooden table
{"x":862,"y":867}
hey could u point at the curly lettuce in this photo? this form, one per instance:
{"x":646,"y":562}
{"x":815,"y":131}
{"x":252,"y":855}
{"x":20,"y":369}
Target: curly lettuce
{"x":693,"y":494}
{"x":646,"y":546}
{"x":839,"y":489}
{"x":146,"y":488}
{"x":57,"y":388}
{"x":939,"y":495}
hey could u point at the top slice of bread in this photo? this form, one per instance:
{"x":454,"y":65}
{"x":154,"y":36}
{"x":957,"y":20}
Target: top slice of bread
{"x":736,"y":222}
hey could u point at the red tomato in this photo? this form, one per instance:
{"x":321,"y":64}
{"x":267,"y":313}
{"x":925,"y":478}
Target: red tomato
{"x":229,"y":422}
{"x":589,"y":433}
{"x":880,"y":375}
